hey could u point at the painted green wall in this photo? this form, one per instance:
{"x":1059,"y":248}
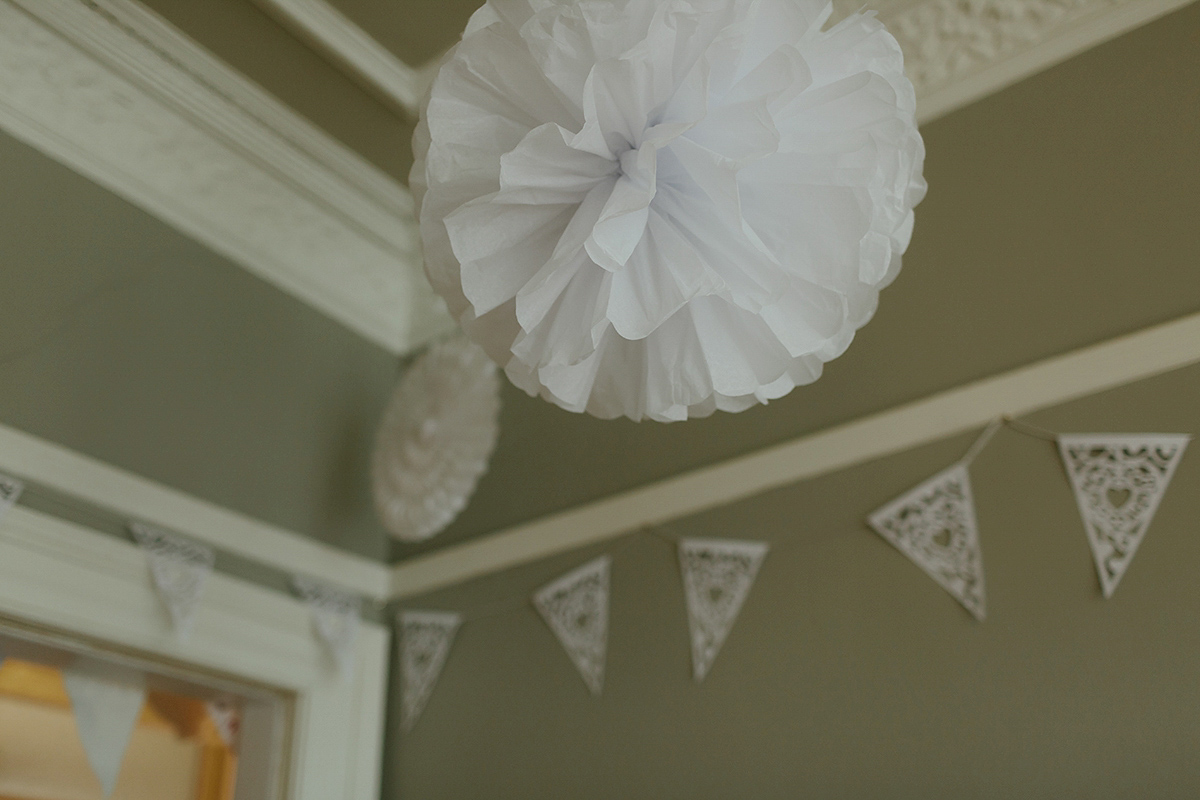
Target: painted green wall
{"x":126,"y":341}
{"x":850,"y":674}
{"x":1061,"y":211}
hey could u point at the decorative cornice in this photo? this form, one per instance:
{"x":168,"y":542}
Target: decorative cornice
{"x":361,"y":56}
{"x":113,"y":91}
{"x":959,"y":51}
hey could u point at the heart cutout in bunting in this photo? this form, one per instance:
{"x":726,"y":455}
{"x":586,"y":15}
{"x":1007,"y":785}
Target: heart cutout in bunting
{"x":106,"y":700}
{"x":425,"y":640}
{"x":717,"y":576}
{"x":180,"y":569}
{"x":576,"y":608}
{"x":1118,"y":480}
{"x":935,"y":526}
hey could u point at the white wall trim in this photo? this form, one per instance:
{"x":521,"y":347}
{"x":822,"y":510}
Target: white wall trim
{"x":958,"y":52}
{"x":955,"y":52}
{"x":1040,"y":385}
{"x":114,"y":92}
{"x":100,"y":484}
{"x":60,"y":575}
{"x":351,"y":48}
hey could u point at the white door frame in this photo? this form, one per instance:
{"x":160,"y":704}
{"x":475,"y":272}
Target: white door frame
{"x":81,"y":582}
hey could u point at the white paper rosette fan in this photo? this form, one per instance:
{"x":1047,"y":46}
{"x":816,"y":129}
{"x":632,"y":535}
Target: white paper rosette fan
{"x":659,"y":208}
{"x":436,"y":437}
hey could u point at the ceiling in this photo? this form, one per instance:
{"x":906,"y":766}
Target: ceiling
{"x":1061,"y":212}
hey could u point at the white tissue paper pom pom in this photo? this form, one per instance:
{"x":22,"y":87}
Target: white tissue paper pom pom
{"x":437,"y":434}
{"x":660,"y":208}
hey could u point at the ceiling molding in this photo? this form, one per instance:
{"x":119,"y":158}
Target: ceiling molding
{"x":111,"y":90}
{"x":959,"y":51}
{"x":116,"y":93}
{"x":1040,"y":385}
{"x":25,"y":456}
{"x":352,"y":49}
{"x":956,"y":51}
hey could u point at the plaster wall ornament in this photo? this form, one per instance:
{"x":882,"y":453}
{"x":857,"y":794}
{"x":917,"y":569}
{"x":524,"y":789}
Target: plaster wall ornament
{"x":935,"y":526}
{"x":425,"y":640}
{"x":10,"y":491}
{"x":1119,"y":480}
{"x":576,"y":608}
{"x":180,"y":568}
{"x":660,"y":209}
{"x":106,"y":700}
{"x":437,"y":434}
{"x":717,"y":577}
{"x":336,"y":615}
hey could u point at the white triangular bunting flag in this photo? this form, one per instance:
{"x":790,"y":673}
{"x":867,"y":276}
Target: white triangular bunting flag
{"x":717,"y":576}
{"x":10,"y":490}
{"x":335,"y":615}
{"x":180,"y":569}
{"x":576,"y":608}
{"x":425,"y":639}
{"x":934,"y":525}
{"x":106,"y":700}
{"x":1119,"y":480}
{"x":226,"y":716}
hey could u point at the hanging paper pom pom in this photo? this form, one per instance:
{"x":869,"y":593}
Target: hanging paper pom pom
{"x":437,"y":435}
{"x":659,"y":208}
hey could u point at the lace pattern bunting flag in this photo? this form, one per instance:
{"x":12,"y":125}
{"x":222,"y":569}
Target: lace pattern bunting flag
{"x":10,"y":490}
{"x":335,"y":615}
{"x":717,"y":576}
{"x":934,"y":525}
{"x":576,"y":608}
{"x":1119,"y":480}
{"x":180,"y":569}
{"x":106,"y":700}
{"x":425,"y":639}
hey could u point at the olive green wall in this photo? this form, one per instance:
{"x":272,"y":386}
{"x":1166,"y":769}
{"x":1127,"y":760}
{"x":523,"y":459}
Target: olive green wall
{"x":415,"y":30}
{"x":128,"y":342}
{"x":1061,"y":212}
{"x":850,"y":674}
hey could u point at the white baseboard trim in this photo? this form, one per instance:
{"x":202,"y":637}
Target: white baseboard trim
{"x":1040,"y":385}
{"x":137,"y":498}
{"x":65,"y":577}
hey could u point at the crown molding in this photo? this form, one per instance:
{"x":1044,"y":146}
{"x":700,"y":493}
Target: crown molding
{"x":356,"y":52}
{"x":111,"y":90}
{"x":1046,"y":383}
{"x":960,"y":51}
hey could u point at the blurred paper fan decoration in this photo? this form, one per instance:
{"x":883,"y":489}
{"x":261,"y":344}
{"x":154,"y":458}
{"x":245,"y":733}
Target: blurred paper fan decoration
{"x":437,"y":435}
{"x":661,"y":208}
